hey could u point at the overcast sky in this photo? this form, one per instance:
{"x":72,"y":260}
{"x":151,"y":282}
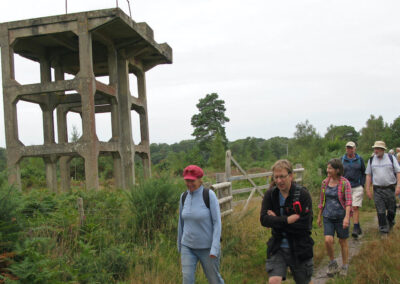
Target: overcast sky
{"x":274,"y":63}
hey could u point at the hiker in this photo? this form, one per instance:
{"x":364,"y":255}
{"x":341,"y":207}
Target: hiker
{"x":335,"y":208}
{"x":398,"y":160}
{"x":199,"y":228}
{"x":287,"y":209}
{"x":383,"y":173}
{"x":354,"y":172}
{"x":398,"y":154}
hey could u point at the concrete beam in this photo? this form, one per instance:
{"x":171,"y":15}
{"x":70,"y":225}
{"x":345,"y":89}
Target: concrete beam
{"x":45,"y":87}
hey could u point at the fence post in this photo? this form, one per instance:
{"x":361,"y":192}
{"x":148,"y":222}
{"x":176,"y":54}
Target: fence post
{"x":81,"y":211}
{"x":220,"y":177}
{"x":228,"y":172}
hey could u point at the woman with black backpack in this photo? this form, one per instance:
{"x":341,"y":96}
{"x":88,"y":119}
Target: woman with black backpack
{"x":199,"y":228}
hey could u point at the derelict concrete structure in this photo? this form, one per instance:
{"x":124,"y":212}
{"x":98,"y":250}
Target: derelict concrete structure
{"x":86,"y":45}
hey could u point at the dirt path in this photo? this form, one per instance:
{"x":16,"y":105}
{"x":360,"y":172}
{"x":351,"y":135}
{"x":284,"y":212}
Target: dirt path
{"x":320,"y":276}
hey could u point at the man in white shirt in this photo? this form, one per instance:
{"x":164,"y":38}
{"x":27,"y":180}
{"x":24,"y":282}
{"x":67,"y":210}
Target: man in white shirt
{"x":383,"y":171}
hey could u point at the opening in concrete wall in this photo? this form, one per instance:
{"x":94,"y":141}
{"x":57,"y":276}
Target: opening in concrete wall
{"x":33,"y":173}
{"x":139,"y":174}
{"x":103,"y":79}
{"x":74,"y":126}
{"x":103,"y":126}
{"x":69,"y":77}
{"x":106,"y":170}
{"x":55,"y":126}
{"x":133,"y":86}
{"x":30,"y":123}
{"x":26,"y":71}
{"x":136,"y":134}
{"x":77,"y":170}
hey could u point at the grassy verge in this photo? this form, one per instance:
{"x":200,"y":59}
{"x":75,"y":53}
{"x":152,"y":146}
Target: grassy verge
{"x":377,"y":262}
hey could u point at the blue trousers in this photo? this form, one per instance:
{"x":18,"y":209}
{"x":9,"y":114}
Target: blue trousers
{"x":190,"y":257}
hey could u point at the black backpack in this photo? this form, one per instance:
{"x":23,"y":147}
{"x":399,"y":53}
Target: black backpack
{"x":296,"y":205}
{"x":206,"y":197}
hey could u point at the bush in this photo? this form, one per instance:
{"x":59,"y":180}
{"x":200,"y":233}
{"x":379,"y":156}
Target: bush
{"x":153,"y":204}
{"x":9,"y":227}
{"x":36,"y":266}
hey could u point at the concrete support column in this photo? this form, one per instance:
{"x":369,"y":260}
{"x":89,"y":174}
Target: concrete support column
{"x":115,"y":127}
{"x":48,"y":126}
{"x":124,"y":107}
{"x":144,"y":124}
{"x":10,"y":110}
{"x":89,"y":145}
{"x":65,"y":170}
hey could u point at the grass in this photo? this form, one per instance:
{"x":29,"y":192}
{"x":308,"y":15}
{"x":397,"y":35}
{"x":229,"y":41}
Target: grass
{"x":377,"y":262}
{"x":123,"y":242}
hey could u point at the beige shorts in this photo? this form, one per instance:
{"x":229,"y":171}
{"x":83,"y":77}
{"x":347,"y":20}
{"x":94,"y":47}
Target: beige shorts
{"x":357,"y":194}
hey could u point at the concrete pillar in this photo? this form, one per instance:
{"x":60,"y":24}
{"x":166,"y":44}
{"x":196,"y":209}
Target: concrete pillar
{"x":65,"y":170}
{"x":144,"y":123}
{"x":115,"y":127}
{"x":124,"y":107}
{"x":89,"y":144}
{"x":48,"y":126}
{"x":10,"y":110}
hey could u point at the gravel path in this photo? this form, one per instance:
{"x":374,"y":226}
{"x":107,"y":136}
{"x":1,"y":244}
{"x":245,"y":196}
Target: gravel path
{"x":320,"y":276}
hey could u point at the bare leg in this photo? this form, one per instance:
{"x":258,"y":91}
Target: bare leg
{"x":329,"y":247}
{"x":275,"y":280}
{"x":345,"y":250}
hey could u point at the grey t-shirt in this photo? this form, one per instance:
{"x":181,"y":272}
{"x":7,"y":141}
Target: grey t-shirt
{"x":382,"y":170}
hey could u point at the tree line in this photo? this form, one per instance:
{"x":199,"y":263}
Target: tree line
{"x":207,"y":148}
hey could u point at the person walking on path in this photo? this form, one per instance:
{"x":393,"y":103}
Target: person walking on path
{"x":383,"y":172}
{"x":287,"y":209}
{"x":335,"y":208}
{"x":354,"y":172}
{"x":199,"y":228}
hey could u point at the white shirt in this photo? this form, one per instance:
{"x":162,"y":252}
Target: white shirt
{"x":382,"y":170}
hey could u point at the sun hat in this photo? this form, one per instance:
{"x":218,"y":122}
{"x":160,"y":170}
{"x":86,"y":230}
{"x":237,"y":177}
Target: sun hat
{"x":379,"y":144}
{"x":351,"y":144}
{"x":192,"y":172}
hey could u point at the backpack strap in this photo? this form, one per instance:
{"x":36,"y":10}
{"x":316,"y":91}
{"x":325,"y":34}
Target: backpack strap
{"x":323,"y":192}
{"x":370,"y":164}
{"x":296,"y":194}
{"x":184,"y":198}
{"x":206,"y":197}
{"x":391,"y":159}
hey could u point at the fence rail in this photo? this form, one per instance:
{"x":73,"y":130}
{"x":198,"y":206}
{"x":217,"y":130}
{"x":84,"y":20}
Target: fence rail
{"x":224,"y":178}
{"x":225,"y":197}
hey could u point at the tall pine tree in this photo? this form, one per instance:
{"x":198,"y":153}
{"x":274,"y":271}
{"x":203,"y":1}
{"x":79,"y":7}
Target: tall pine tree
{"x":209,"y":121}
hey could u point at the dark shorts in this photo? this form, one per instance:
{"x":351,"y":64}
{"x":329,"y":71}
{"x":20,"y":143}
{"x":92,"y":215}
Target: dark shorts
{"x":335,"y":225}
{"x":278,"y":263}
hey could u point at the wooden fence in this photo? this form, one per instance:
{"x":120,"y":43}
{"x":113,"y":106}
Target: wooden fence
{"x":228,"y":178}
{"x":224,"y":194}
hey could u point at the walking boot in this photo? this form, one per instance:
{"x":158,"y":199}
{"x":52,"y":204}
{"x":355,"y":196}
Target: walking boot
{"x":332,"y":268}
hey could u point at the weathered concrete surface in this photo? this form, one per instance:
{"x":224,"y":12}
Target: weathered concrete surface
{"x":85,"y":45}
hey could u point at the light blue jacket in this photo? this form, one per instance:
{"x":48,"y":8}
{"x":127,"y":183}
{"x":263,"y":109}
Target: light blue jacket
{"x":199,"y":227}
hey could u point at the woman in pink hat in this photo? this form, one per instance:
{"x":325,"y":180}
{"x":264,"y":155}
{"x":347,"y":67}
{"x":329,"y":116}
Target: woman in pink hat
{"x":199,"y":228}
